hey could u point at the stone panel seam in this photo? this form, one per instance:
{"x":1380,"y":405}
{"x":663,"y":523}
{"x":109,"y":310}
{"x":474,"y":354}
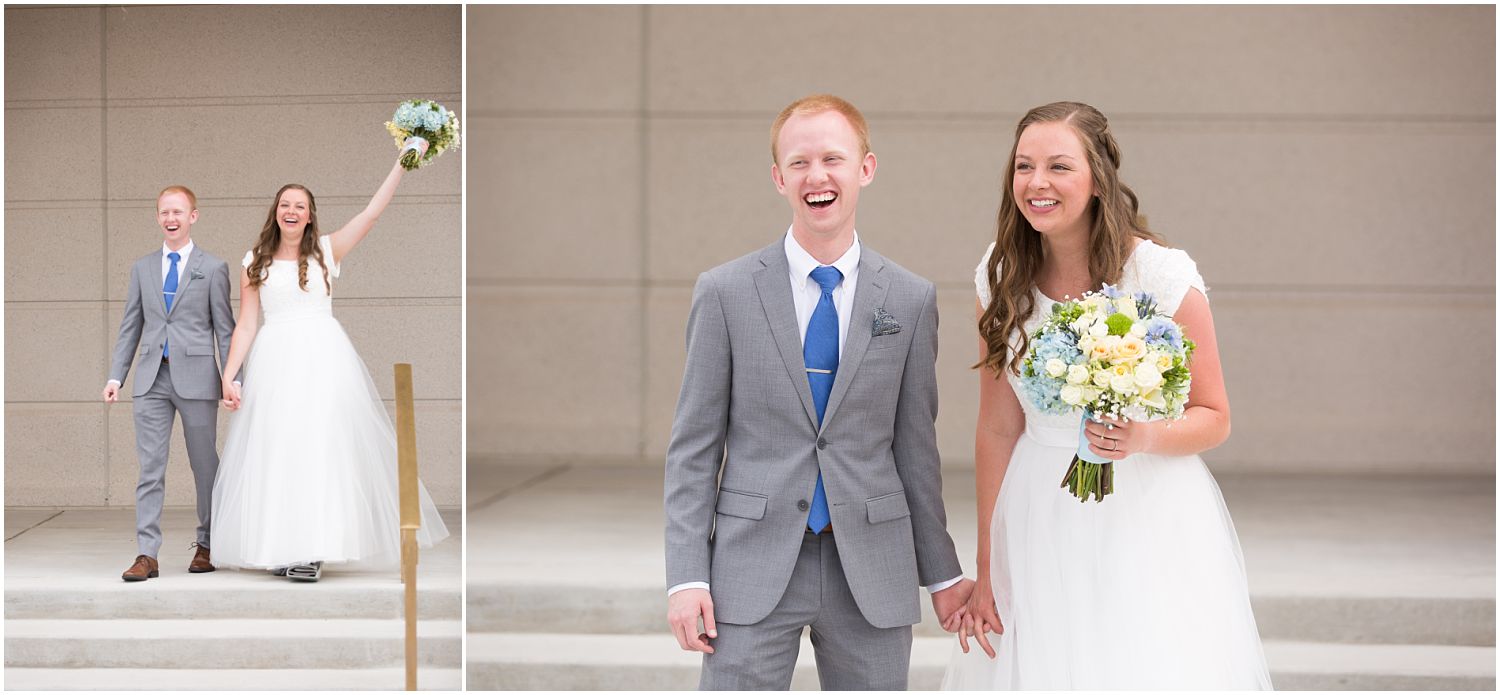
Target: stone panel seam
{"x":28,"y":528}
{"x":1247,"y":289}
{"x":521,"y":487}
{"x":643,"y":190}
{"x":441,"y":199}
{"x":1002,"y":119}
{"x":238,"y":100}
{"x":104,"y":335}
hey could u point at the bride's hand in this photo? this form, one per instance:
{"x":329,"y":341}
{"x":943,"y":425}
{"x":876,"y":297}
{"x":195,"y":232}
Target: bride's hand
{"x":231,"y":395}
{"x":1115,"y":439}
{"x":980,"y":618}
{"x":415,"y":143}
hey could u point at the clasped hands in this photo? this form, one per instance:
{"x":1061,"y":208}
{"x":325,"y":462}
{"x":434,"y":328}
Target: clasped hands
{"x":685,"y":609}
{"x":231,"y":399}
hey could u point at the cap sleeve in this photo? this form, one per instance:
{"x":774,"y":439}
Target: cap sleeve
{"x":982,"y":277}
{"x":249,"y":258}
{"x":1169,"y":274}
{"x":329,"y":262}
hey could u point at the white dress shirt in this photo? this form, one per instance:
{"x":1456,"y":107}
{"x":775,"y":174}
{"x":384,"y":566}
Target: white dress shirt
{"x":805,"y":295}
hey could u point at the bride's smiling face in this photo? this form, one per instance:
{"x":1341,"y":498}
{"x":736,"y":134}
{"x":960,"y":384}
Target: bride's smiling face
{"x":293,"y":212}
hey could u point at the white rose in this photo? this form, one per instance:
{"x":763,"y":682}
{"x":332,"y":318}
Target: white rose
{"x":1122,"y":383}
{"x":1138,"y":329}
{"x":1086,"y":343}
{"x":1091,"y":394}
{"x":1072,"y":394}
{"x":1101,"y":379}
{"x":1126,"y":306}
{"x":1099,"y":329}
{"x":1078,"y":374}
{"x":1056,"y":368}
{"x":1147,"y":376}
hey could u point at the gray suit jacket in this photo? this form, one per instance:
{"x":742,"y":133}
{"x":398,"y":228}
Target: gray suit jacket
{"x":200,"y":316}
{"x":746,"y":413}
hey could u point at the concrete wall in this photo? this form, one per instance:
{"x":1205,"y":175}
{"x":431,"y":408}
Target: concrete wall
{"x":1330,"y":168}
{"x":105,"y":106}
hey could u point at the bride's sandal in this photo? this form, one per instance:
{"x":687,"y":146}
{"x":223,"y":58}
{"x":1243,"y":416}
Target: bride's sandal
{"x":305,"y":573}
{"x":279,"y":571}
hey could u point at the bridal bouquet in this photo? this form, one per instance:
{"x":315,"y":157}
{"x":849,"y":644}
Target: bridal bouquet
{"x":425,"y":120}
{"x":1109,"y":353}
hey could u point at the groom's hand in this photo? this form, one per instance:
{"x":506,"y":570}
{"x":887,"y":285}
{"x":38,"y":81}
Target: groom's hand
{"x":949,"y":603}
{"x":683,"y":610}
{"x":111,"y":392}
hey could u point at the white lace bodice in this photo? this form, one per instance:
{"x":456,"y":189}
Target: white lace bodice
{"x":1166,"y":273}
{"x":281,"y":299}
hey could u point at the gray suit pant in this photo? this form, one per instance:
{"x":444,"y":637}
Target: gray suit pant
{"x":852,"y":654}
{"x":154,"y":413}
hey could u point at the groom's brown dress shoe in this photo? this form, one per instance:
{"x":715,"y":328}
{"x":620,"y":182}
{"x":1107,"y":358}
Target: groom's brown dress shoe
{"x":200,"y":563}
{"x":143,"y":569}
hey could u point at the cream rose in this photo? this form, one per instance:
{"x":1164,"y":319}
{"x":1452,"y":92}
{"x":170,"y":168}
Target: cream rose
{"x":1099,"y":329}
{"x":1101,"y":378}
{"x":1122,"y":383}
{"x":1126,"y":306}
{"x":1072,"y":394}
{"x":1128,"y":349}
{"x":1056,"y":368}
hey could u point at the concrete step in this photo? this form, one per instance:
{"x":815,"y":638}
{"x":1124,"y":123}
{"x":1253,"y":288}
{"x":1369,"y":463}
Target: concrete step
{"x":549,"y":661}
{"x":428,"y":678}
{"x":227,"y":644}
{"x":166,"y":598}
{"x":539,"y":607}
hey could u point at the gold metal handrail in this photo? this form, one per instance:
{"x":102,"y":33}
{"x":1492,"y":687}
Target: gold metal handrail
{"x":411,"y":510}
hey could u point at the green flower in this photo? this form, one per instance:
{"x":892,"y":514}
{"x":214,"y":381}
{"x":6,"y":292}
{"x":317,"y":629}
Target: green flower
{"x":1119,"y":324}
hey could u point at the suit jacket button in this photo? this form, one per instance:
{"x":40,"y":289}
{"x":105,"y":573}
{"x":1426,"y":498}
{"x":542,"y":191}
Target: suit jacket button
{"x":801,"y":505}
{"x":822,"y":443}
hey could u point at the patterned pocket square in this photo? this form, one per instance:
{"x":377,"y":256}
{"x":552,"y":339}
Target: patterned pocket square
{"x":197,"y":275}
{"x":885,"y":324}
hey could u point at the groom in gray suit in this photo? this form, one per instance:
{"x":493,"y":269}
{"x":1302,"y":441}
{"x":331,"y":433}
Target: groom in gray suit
{"x":176,"y":310}
{"x":803,"y":486}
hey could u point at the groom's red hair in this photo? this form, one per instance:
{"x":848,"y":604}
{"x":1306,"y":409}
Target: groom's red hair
{"x":192,"y":199}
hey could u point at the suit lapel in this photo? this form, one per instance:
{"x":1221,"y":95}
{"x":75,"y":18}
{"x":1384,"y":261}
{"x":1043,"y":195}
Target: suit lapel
{"x":869,"y":293}
{"x":153,"y":270}
{"x":184,"y":276}
{"x":774,"y":285}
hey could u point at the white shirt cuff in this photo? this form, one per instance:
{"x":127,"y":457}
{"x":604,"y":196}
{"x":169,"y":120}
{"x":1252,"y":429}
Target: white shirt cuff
{"x":688,"y":585}
{"x":112,"y":381}
{"x":943,"y":585}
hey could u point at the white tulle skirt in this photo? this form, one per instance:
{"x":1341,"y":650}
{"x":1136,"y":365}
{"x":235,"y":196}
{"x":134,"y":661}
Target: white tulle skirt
{"x":309,"y":466}
{"x":1143,"y":591}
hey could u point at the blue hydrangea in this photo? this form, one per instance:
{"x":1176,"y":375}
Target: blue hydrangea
{"x":420,"y":116}
{"x":1043,"y":391}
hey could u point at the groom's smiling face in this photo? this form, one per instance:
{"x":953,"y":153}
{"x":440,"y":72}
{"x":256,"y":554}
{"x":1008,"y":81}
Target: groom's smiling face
{"x":820,"y":169}
{"x":175,"y":214}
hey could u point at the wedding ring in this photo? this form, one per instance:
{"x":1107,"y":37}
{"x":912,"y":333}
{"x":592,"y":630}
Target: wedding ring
{"x":1109,"y":426}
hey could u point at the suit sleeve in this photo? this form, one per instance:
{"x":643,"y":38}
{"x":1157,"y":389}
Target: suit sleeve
{"x":130,"y":330}
{"x":696,"y":451}
{"x":221,"y":314}
{"x":916,"y":452}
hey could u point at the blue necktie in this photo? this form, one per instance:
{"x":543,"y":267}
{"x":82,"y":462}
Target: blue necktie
{"x":820,"y":355}
{"x":169,"y":292}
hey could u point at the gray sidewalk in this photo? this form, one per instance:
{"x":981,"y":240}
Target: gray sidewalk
{"x":1358,"y":582}
{"x":71,"y":623}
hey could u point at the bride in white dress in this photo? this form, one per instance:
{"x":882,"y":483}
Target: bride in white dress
{"x":1146,"y":589}
{"x":308,"y":475}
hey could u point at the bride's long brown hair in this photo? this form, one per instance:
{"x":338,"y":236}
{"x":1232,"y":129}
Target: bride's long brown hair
{"x":1115,"y":223}
{"x":270,"y":239}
